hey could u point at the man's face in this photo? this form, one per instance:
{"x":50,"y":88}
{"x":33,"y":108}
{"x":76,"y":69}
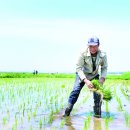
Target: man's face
{"x":93,"y":49}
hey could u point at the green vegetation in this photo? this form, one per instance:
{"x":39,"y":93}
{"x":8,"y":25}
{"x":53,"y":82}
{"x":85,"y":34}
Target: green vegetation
{"x":39,"y":75}
{"x":38,"y":102}
{"x":123,"y":76}
{"x":127,"y":119}
{"x":105,"y":92}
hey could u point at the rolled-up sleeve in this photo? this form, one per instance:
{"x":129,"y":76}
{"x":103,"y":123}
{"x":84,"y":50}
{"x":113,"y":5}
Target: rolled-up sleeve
{"x":104,"y":67}
{"x":79,"y":66}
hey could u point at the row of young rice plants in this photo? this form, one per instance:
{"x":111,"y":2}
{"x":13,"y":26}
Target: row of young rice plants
{"x":111,"y":108}
{"x":126,"y":97}
{"x":122,"y":97}
{"x":84,"y":109}
{"x":31,"y":103}
{"x":65,"y":123}
{"x":117,"y":108}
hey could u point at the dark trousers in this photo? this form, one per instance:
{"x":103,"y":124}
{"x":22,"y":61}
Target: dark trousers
{"x":78,"y":85}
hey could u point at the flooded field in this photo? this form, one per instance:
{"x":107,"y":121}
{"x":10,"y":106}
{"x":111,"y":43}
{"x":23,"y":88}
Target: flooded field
{"x":39,"y":103}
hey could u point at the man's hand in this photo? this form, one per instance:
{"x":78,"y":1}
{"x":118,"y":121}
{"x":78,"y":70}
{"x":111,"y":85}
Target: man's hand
{"x":102,"y":80}
{"x":88,"y":83}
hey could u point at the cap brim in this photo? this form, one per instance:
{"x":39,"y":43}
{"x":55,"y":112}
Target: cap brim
{"x":92,"y":44}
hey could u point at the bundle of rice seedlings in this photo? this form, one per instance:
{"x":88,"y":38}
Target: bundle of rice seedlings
{"x":105,"y":92}
{"x":96,"y":84}
{"x":107,"y":95}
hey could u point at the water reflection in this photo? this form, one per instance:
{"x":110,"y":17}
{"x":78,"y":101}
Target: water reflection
{"x":68,"y":123}
{"x":97,"y":124}
{"x":88,"y":122}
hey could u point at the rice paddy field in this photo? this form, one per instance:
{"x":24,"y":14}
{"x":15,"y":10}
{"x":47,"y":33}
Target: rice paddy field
{"x":39,"y":103}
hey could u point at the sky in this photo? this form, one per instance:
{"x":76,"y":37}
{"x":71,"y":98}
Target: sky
{"x":48,"y":35}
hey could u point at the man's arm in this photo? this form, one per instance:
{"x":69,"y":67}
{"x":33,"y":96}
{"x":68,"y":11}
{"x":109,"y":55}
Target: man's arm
{"x":103,"y":70}
{"x":79,"y":66}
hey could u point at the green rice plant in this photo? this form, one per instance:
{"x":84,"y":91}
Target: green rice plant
{"x":105,"y":92}
{"x":62,"y":124}
{"x":56,"y":109}
{"x":34,"y":114}
{"x":44,"y":120}
{"x":124,"y":93}
{"x":13,"y":127}
{"x":8,"y":113}
{"x":53,"y":128}
{"x":31,"y":128}
{"x":107,"y":122}
{"x":96,"y":84}
{"x":127,"y":119}
{"x":107,"y":107}
{"x":89,"y":120}
{"x":4,"y":120}
{"x":21,"y":119}
{"x":40,"y":103}
{"x":63,"y":86}
{"x":107,"y":95}
{"x":120,"y":108}
{"x":40,"y":123}
{"x":50,"y":117}
{"x":85,"y":124}
{"x":29,"y":116}
{"x":16,"y":122}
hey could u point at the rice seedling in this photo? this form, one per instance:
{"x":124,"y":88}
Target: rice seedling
{"x":16,"y":122}
{"x":31,"y":128}
{"x":105,"y":92}
{"x":50,"y":118}
{"x":63,"y":86}
{"x":125,"y":94}
{"x":120,"y":108}
{"x":85,"y":124}
{"x":107,"y":107}
{"x":119,"y":102}
{"x":34,"y":114}
{"x":4,"y":120}
{"x":89,"y":120}
{"x":107,"y":120}
{"x":21,"y":119}
{"x":29,"y":116}
{"x":62,"y":124}
{"x":8,"y":113}
{"x":46,"y":97}
{"x":13,"y":127}
{"x":40,"y":123}
{"x":53,"y":128}
{"x":127,"y":119}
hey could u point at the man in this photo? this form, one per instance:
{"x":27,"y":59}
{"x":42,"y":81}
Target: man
{"x":87,"y":69}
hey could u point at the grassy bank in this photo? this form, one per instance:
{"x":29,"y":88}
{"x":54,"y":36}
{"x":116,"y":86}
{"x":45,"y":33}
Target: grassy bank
{"x":31,"y":75}
{"x":124,"y":76}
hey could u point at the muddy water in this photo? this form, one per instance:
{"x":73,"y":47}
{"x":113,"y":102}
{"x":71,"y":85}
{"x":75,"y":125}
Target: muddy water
{"x":113,"y":119}
{"x":116,"y":117}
